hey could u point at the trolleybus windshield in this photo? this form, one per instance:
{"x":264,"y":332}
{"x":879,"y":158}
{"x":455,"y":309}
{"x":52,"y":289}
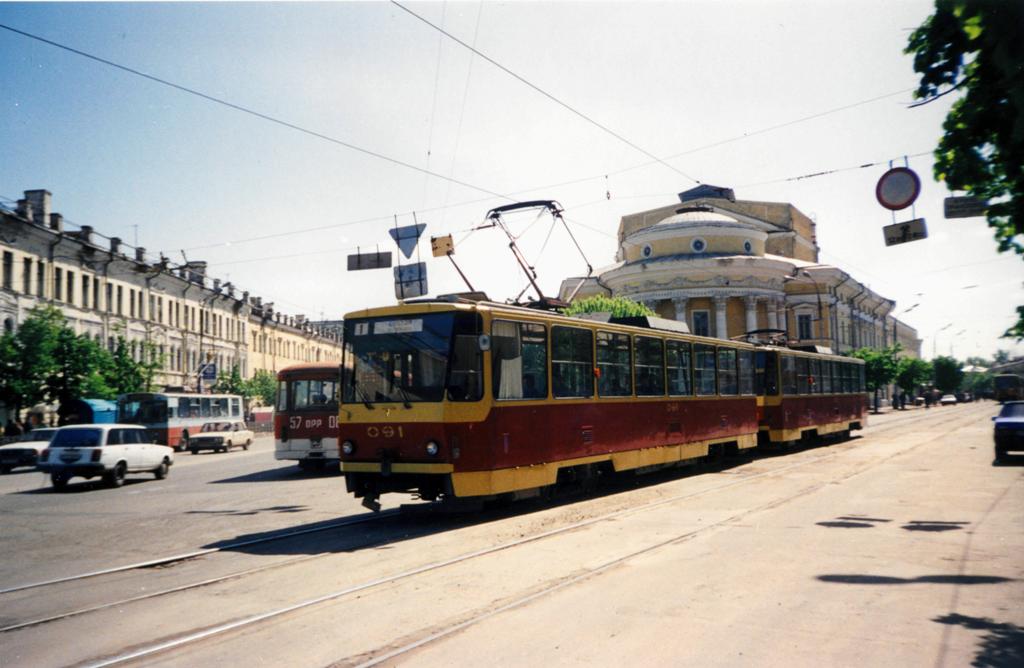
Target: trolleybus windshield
{"x":142,"y":409}
{"x":406,"y":358}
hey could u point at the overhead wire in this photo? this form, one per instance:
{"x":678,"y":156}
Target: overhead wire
{"x":545,"y":93}
{"x":251,"y":112}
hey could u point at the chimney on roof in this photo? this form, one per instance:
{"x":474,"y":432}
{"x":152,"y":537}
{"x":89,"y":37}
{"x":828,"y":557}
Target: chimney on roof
{"x":57,"y":223}
{"x":216,"y":285}
{"x":40,"y":201}
{"x":85,"y":234}
{"x":115,"y":245}
{"x":140,"y":254}
{"x":245,"y":296}
{"x":24,"y":209}
{"x":197,"y":271}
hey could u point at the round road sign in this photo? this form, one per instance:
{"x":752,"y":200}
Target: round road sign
{"x":898,"y":188}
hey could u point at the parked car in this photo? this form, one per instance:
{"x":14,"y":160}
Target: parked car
{"x":107,"y":450}
{"x":947,"y":400}
{"x":1009,"y":432}
{"x":221,"y":436}
{"x":25,"y":451}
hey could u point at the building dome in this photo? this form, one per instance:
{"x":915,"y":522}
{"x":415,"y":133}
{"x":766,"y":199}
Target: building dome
{"x":694,"y":232}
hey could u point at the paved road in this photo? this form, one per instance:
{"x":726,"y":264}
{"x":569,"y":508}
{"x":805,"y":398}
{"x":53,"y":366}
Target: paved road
{"x":902,"y":547}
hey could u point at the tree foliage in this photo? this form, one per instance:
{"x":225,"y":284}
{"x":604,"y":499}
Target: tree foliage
{"x":912,"y":372}
{"x":619,"y":307}
{"x":231,"y":382}
{"x":975,"y":47}
{"x":948,"y":374}
{"x":45,"y":361}
{"x":879,"y":367}
{"x":262,"y":385}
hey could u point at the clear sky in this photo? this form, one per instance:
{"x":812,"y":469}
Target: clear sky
{"x":729,"y":93}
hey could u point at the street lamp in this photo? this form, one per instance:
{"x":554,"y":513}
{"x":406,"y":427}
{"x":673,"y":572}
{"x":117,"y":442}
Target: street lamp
{"x":895,"y":337}
{"x":797,"y":273}
{"x":936,"y":338}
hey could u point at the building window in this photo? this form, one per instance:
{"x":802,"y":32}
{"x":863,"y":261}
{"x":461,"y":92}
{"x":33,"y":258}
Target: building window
{"x":647,"y":251}
{"x":41,"y":279}
{"x":71,"y":287}
{"x":85,"y":291}
{"x":58,"y":284}
{"x":8,"y":270}
{"x":131,"y":302}
{"x":803,"y":326}
{"x":95,"y":293}
{"x":8,"y":326}
{"x":120,"y":299}
{"x":747,"y":246}
{"x":698,"y":245}
{"x":26,"y":276}
{"x":701,"y":323}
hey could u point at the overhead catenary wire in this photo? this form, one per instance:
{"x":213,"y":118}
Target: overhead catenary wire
{"x":249,"y":111}
{"x":545,"y":93}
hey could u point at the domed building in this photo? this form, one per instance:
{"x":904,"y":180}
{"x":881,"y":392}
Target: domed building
{"x":728,"y":267}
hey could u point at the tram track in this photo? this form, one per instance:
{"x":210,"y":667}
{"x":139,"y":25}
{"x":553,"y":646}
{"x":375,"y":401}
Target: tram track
{"x":199,"y":635}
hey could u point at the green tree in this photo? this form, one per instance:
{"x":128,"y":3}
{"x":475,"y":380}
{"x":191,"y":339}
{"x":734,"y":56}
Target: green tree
{"x":879,"y":367}
{"x":27,"y":358}
{"x":911,"y":373}
{"x":231,"y":383}
{"x":124,"y":374}
{"x":619,"y":307}
{"x":975,"y":47}
{"x":262,"y":385}
{"x":948,"y":374}
{"x":79,"y":366}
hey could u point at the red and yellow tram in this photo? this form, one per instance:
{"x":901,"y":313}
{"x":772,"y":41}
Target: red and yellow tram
{"x":459,"y":398}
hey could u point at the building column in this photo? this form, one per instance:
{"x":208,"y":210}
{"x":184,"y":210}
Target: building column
{"x":751,"y":304}
{"x":770,"y":306}
{"x":679,"y":303}
{"x":721,"y":326}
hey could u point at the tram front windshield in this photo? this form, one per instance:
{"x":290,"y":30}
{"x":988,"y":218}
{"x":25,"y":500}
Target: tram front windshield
{"x":406,"y":359}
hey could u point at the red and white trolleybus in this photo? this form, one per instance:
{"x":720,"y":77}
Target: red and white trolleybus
{"x":171,"y":418}
{"x":306,"y":415}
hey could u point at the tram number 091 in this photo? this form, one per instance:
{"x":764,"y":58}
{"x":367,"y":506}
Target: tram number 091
{"x":299,"y":422}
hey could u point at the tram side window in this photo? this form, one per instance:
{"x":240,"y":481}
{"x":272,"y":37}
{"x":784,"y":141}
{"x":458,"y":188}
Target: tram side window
{"x":826,"y":376}
{"x":519,"y":360}
{"x":766,"y":370}
{"x":680,"y":380}
{"x":862,"y":384}
{"x":613,"y":363}
{"x":746,"y":358}
{"x":815,"y":378}
{"x":788,"y":374}
{"x":845,"y":369}
{"x":727,"y":375}
{"x":650,"y":367}
{"x":465,"y":371}
{"x":236,"y":407}
{"x":572,"y":362}
{"x":802,"y":373}
{"x":204,"y":407}
{"x":219,"y":407}
{"x":704,"y":369}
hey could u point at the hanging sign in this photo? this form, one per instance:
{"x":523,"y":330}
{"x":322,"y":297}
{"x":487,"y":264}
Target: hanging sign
{"x":898,"y":188}
{"x":406,"y":237}
{"x":376,"y":260}
{"x":901,"y":233}
{"x":411,"y":280}
{"x":442,"y":246}
{"x":964,"y":207}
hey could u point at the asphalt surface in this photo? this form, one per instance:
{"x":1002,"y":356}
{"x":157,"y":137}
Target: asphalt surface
{"x":900,"y":547}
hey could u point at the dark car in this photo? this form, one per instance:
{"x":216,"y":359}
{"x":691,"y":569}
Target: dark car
{"x":1009,"y":433}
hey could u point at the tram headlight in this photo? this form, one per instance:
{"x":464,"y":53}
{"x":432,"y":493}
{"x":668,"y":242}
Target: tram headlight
{"x":433,"y":448}
{"x":348,"y":447}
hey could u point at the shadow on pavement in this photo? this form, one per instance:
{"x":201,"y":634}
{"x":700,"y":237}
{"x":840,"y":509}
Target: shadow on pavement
{"x":933,"y":526}
{"x":922,"y":579}
{"x":852,"y":522}
{"x":278,"y":474}
{"x":257,"y":511}
{"x":1002,"y":646}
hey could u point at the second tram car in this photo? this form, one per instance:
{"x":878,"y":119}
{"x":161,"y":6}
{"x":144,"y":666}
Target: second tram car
{"x":306,"y":415}
{"x":460,"y":399}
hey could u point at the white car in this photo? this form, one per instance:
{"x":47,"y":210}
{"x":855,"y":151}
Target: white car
{"x":107,"y":450}
{"x":221,"y":436}
{"x":25,"y":451}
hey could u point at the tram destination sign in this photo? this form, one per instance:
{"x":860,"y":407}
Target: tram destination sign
{"x":901,"y":233}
